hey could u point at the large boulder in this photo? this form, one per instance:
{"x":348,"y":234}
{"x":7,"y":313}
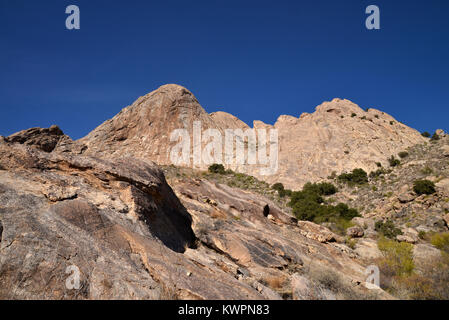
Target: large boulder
{"x":355,"y":232}
{"x":44,"y":139}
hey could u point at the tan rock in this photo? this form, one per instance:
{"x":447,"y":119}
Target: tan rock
{"x":355,"y":232}
{"x":316,"y":232}
{"x":445,"y":150}
{"x":365,"y":223}
{"x":367,"y":249}
{"x":407,"y":238}
{"x":443,"y":185}
{"x":310,"y":147}
{"x":424,"y":254}
{"x":406,"y":197}
{"x":446,"y":219}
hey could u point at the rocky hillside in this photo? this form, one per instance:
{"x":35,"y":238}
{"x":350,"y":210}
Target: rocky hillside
{"x":138,"y":229}
{"x":134,"y":237}
{"x":338,"y":136}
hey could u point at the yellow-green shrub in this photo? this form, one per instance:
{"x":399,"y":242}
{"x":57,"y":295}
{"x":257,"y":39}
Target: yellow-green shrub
{"x":441,"y":241}
{"x":397,"y":257}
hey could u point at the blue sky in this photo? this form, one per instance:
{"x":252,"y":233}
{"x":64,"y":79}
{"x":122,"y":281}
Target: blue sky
{"x":254,"y":59}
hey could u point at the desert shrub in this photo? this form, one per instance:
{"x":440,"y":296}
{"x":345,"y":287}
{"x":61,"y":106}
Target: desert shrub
{"x":328,"y":279}
{"x":308,"y":204}
{"x":427,"y":170}
{"x":425,"y":134}
{"x":275,"y":282}
{"x":424,"y":187}
{"x":422,"y":235}
{"x":286,"y":192}
{"x":353,"y":115}
{"x":393,"y":161}
{"x":403,"y":154}
{"x":277,"y":186}
{"x":387,"y":229}
{"x":333,"y":175}
{"x":435,"y":137}
{"x":389,"y":194}
{"x":391,"y":122}
{"x":376,"y":116}
{"x":397,"y":257}
{"x":323,"y":188}
{"x":357,"y":176}
{"x":378,"y":173}
{"x":327,"y":189}
{"x":345,"y":212}
{"x":431,"y":283}
{"x":217,"y":168}
{"x":282,"y":192}
{"x":351,"y":242}
{"x":441,"y":241}
{"x":379,"y":165}
{"x":363,"y":118}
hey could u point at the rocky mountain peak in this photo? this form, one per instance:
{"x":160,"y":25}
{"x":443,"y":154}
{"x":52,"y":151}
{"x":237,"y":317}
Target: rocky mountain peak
{"x":339,"y":106}
{"x":339,"y":136}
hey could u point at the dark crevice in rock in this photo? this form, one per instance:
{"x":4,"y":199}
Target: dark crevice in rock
{"x":1,"y":231}
{"x":266,"y":210}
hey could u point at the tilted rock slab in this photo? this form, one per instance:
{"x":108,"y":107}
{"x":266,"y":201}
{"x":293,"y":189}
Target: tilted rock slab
{"x":123,"y":228}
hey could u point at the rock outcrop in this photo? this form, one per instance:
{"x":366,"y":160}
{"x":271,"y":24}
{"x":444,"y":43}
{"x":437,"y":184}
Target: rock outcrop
{"x":339,"y":136}
{"x":120,"y":225}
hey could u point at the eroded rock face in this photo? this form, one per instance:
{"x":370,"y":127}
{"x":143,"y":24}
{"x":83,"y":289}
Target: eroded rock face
{"x":42,"y":138}
{"x":339,"y":136}
{"x":121,"y":225}
{"x":143,"y":129}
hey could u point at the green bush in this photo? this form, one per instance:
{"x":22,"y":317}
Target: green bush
{"x":282,"y":192}
{"x":393,"y":161}
{"x":378,"y":173}
{"x":403,"y":154}
{"x":424,"y":187}
{"x":387,"y":229}
{"x":425,"y":134}
{"x":353,"y":115}
{"x":323,"y":188}
{"x":435,"y":137}
{"x":217,"y":168}
{"x":357,"y":176}
{"x":308,"y":204}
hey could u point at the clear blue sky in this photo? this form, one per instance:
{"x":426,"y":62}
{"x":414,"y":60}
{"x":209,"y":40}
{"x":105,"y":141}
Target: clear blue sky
{"x":254,"y":59}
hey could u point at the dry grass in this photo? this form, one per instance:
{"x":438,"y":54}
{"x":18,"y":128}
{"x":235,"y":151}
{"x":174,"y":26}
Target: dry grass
{"x":275,"y":282}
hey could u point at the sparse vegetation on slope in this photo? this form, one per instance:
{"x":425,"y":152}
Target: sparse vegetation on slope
{"x":356,"y":177}
{"x":309,"y":204}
